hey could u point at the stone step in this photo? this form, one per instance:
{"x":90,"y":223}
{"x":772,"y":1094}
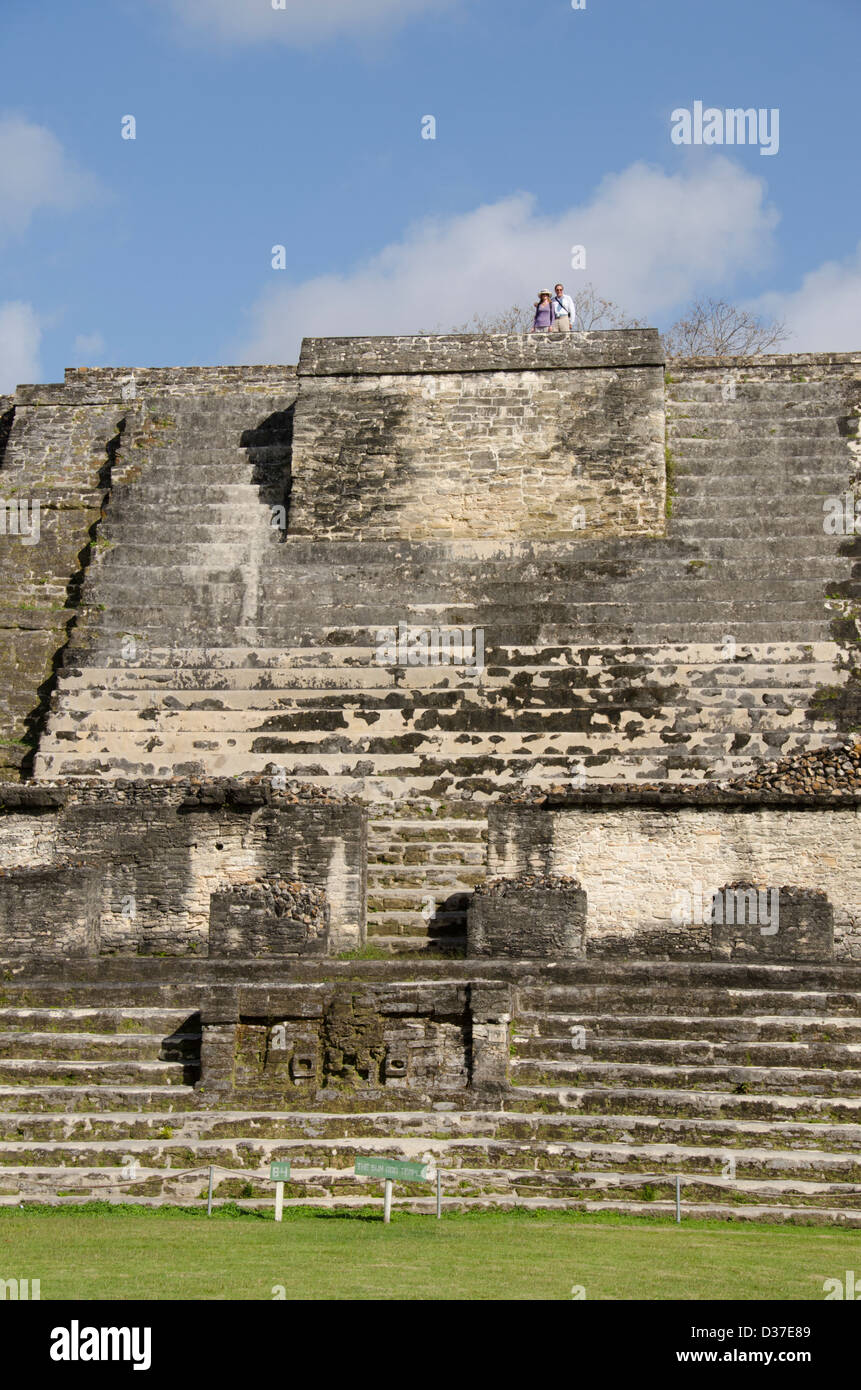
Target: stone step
{"x":405,"y":784}
{"x":140,"y":981}
{"x":705,"y":994}
{"x":390,"y":930}
{"x":320,"y":752}
{"x":445,"y":853}
{"x":841,"y":1201}
{"x":427,"y":594}
{"x":27,"y":1071}
{"x":515,"y":709}
{"x":421,"y":878}
{"x":532,"y":1028}
{"x":457,"y":1156}
{"x":317,"y":652}
{"x":696,"y":384}
{"x":744,"y":621}
{"x":429,"y":726}
{"x":686,"y":1052}
{"x":690,"y":523}
{"x":412,"y":946}
{"x":82,"y":1094}
{"x":392,"y":834}
{"x":540,"y":1128}
{"x":798,"y":1080}
{"x":795,"y":468}
{"x":91,"y":1046}
{"x":432,"y":687}
{"x":579,"y":561}
{"x":504,"y":620}
{"x":60,"y":1020}
{"x":771,"y":1212}
{"x":816,"y":430}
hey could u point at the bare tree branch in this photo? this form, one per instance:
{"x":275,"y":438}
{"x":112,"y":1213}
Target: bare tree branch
{"x":714,"y":328}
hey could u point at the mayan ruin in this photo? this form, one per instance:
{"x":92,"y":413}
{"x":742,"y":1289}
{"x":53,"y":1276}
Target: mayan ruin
{"x":369,"y":724}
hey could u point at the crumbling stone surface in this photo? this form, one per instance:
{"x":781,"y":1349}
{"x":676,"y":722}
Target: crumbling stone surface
{"x":649,"y":869}
{"x":275,"y":916}
{"x":429,"y":477}
{"x":757,"y":922}
{"x":163,"y":850}
{"x":469,"y":436}
{"x":353,"y":1039}
{"x":506,"y":887}
{"x":529,"y":917}
{"x":340,"y":1045}
{"x":50,"y":910}
{"x":254,"y":789}
{"x":819,"y":770}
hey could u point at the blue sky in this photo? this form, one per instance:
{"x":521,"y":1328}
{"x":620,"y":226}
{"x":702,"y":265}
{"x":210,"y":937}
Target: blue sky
{"x":302,"y":127}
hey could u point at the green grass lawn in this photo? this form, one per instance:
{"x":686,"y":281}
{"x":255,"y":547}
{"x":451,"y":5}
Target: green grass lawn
{"x":128,"y":1252}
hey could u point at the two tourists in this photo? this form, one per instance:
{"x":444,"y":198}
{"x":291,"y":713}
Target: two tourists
{"x":554,"y":312}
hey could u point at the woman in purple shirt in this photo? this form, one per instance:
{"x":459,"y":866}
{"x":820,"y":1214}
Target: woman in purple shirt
{"x":544,"y":313}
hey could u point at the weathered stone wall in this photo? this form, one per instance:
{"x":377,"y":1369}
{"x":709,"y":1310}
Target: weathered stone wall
{"x":350,"y":1043}
{"x":480,"y":437}
{"x":752,"y":923}
{"x":532,"y":917}
{"x":162,"y":853}
{"x":687,"y":656}
{"x":700,"y":654}
{"x":274,"y":916}
{"x":59,"y":447}
{"x":57,"y":459}
{"x":47,"y":912}
{"x":641,"y":864}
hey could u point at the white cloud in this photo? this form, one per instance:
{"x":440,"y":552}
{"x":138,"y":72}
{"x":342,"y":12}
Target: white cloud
{"x":652,"y":240}
{"x":36,"y":173}
{"x":86,"y":348}
{"x":824,"y":313}
{"x":20,"y":338}
{"x":299,"y":22}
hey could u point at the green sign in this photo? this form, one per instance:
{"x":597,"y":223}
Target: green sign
{"x":391,"y":1168}
{"x":279,"y":1172}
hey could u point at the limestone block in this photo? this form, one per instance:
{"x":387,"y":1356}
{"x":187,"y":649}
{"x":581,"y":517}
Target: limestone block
{"x":762,"y":923}
{"x":534,"y":917}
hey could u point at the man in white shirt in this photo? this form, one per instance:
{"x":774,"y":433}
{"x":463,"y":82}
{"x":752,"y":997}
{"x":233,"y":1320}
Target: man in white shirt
{"x":565,"y":311}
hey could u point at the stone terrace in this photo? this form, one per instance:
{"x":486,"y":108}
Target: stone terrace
{"x":200,"y":640}
{"x":664,"y":643}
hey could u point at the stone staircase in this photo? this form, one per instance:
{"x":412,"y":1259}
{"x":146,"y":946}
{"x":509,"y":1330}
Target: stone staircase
{"x":745,"y":1081}
{"x":208,"y":644}
{"x":424,"y":860}
{"x":249,"y":651}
